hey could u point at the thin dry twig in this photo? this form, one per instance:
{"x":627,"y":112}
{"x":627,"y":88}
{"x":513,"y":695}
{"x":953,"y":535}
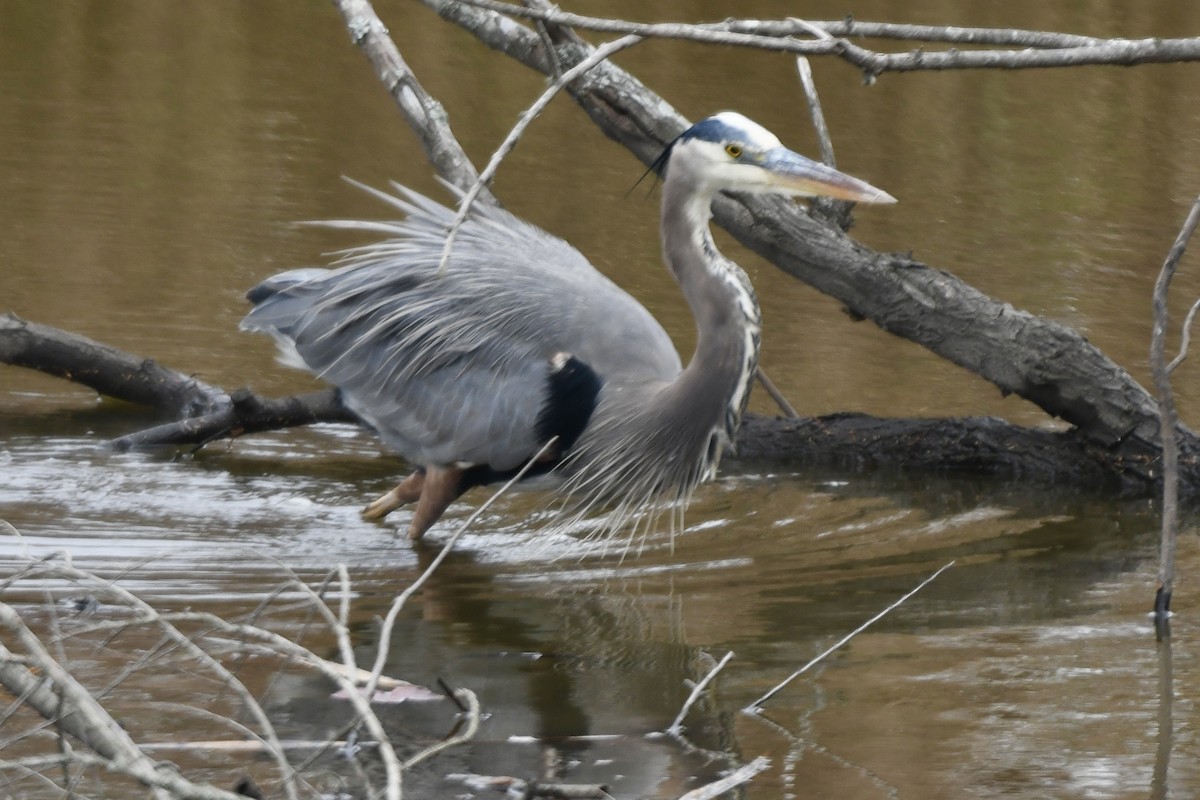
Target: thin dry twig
{"x":676,"y":727}
{"x":464,"y":697}
{"x":1039,"y":49}
{"x":1185,"y":340}
{"x":756,"y":706}
{"x":600,"y":54}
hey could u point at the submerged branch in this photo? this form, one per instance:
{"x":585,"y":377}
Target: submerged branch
{"x":853,"y":442}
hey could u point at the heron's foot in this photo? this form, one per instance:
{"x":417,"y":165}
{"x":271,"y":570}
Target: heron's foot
{"x":408,"y":491}
{"x":384,"y":505}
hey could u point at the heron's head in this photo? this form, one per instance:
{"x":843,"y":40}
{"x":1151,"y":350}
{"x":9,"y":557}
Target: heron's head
{"x":727,"y":151}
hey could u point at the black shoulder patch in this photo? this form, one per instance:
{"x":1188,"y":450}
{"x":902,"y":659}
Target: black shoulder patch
{"x":573,"y":389}
{"x":571,"y":395}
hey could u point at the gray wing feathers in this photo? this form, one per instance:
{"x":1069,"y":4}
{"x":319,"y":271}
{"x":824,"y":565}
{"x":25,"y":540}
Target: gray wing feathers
{"x":454,"y":367}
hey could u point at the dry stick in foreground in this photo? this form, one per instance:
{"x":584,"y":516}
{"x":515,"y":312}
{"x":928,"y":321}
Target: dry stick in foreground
{"x":1169,"y":420}
{"x":70,"y":705}
{"x":15,"y":676}
{"x":730,"y":781}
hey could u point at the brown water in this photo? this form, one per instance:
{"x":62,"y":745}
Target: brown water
{"x":152,"y":159}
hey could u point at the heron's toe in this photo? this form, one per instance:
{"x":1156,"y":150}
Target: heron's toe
{"x":380,"y":508}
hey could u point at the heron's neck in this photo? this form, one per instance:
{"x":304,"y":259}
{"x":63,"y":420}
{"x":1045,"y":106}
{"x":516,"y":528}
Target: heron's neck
{"x":728,"y":321}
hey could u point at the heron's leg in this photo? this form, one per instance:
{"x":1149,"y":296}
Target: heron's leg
{"x":408,"y":491}
{"x":442,"y":486}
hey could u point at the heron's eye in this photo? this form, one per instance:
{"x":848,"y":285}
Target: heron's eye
{"x":734,"y":150}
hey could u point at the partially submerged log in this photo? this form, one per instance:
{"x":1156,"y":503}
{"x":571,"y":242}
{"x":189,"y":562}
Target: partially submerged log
{"x":854,"y":442}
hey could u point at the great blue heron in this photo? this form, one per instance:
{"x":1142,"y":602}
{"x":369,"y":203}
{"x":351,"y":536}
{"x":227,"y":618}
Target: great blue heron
{"x":467,"y":369}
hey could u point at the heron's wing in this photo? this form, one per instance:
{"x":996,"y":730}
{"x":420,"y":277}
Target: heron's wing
{"x":457,"y":367}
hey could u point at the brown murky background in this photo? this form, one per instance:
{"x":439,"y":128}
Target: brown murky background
{"x":153,"y":157}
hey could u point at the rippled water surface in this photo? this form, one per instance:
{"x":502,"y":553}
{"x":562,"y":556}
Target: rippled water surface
{"x":153,"y":158}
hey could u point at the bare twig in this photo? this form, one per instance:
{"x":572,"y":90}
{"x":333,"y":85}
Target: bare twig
{"x":600,"y":54}
{"x":733,"y":779}
{"x":1168,"y":421}
{"x":463,"y":696}
{"x":676,"y":727}
{"x":1185,"y":340}
{"x":87,"y":720}
{"x":804,"y":70}
{"x":757,"y":704}
{"x":773,"y":392}
{"x":1056,"y":50}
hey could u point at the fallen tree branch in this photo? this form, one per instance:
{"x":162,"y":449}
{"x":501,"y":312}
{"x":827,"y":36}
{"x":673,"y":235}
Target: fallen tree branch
{"x":109,"y":371}
{"x":1038,"y":359}
{"x":246,"y":413}
{"x":855,"y":442}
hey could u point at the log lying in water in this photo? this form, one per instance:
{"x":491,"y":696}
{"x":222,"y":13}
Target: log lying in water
{"x":981,"y":445}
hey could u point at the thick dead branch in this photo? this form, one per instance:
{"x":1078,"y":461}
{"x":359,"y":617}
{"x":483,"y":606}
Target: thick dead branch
{"x":109,"y":371}
{"x":966,"y":445}
{"x":424,"y":114}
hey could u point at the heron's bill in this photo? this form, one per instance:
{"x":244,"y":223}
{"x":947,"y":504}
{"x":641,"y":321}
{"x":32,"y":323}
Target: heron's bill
{"x":807,"y":178}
